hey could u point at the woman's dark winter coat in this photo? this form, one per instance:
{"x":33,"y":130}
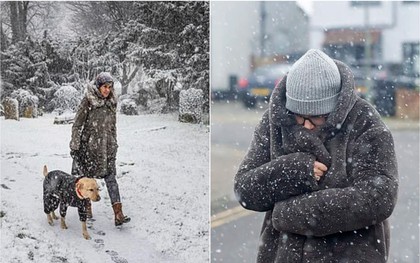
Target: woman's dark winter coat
{"x":94,"y":134}
{"x":342,"y":217}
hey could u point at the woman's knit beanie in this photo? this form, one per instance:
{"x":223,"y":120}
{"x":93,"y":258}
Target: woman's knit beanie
{"x":313,"y":84}
{"x":102,"y":78}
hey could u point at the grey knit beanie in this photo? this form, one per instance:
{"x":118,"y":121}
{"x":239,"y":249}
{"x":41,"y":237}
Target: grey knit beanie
{"x":313,"y":84}
{"x":102,"y":78}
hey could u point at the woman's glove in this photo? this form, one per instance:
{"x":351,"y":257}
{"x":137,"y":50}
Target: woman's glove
{"x":74,"y":154}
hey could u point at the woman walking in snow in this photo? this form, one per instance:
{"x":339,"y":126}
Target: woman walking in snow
{"x":93,"y":144}
{"x":322,"y":166}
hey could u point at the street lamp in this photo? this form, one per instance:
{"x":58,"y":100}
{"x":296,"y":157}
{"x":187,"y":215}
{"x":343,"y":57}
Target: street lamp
{"x":368,"y":44}
{"x":263,"y":15}
{"x":368,"y":55}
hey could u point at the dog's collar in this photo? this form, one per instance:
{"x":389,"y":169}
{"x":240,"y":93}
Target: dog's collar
{"x":78,"y":193}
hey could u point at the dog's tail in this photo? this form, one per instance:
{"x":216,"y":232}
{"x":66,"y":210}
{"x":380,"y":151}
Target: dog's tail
{"x":45,"y":170}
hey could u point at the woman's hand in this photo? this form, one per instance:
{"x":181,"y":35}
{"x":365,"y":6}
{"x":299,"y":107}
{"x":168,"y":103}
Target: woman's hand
{"x":319,"y":170}
{"x":74,"y":154}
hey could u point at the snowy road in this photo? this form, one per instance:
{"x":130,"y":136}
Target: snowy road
{"x":162,"y":169}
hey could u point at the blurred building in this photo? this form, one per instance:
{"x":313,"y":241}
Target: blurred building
{"x":245,"y":35}
{"x":392,"y":28}
{"x":380,"y":40}
{"x":284,"y":33}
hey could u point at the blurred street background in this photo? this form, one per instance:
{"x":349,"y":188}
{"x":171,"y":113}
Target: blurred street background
{"x":254,"y":43}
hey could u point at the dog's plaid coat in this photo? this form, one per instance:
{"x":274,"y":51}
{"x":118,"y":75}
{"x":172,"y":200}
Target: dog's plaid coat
{"x":60,"y":190}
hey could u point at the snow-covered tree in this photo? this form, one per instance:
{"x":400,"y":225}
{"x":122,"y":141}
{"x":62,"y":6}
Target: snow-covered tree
{"x":163,"y":45}
{"x":173,"y":40}
{"x":23,"y":66}
{"x":33,"y":66}
{"x":99,"y":18}
{"x":22,"y":19}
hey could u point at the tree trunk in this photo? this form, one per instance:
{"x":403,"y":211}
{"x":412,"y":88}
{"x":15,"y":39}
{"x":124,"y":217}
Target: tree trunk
{"x":124,"y":84}
{"x":22,"y":16}
{"x":14,"y":21}
{"x":3,"y":38}
{"x":127,"y":79}
{"x":18,"y":19}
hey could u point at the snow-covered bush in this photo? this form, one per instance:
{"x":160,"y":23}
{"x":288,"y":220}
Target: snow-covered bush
{"x":165,"y":88}
{"x":191,"y":105}
{"x":128,"y":106}
{"x":11,"y":108}
{"x":65,"y":118}
{"x":157,"y":87}
{"x":66,"y":99}
{"x":146,"y":96}
{"x":156,"y":105}
{"x":143,"y":96}
{"x":147,"y":89}
{"x":28,"y":103}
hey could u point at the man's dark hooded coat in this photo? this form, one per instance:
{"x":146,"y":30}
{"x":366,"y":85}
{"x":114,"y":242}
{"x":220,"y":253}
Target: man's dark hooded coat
{"x":342,"y":217}
{"x":94,"y":134}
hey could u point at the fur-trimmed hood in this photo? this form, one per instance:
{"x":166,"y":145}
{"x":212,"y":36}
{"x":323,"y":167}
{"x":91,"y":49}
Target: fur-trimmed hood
{"x":96,"y":99}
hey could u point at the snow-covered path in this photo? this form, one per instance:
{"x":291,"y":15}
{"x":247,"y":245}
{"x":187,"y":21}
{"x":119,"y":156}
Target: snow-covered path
{"x":163,"y":173}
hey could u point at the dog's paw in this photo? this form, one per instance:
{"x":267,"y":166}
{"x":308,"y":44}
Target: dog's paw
{"x":50,"y":220}
{"x":64,"y":226}
{"x":86,"y":236}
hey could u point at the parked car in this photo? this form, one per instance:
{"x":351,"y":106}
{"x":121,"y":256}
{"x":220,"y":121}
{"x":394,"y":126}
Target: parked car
{"x":260,"y":83}
{"x":385,"y":80}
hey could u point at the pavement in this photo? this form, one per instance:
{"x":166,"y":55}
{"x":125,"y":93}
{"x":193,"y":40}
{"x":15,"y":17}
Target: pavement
{"x":396,"y":124}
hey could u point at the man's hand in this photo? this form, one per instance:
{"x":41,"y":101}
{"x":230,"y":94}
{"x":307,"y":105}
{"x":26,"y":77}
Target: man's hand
{"x":319,"y":170}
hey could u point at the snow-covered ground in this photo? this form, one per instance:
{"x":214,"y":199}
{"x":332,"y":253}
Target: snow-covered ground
{"x":163,"y":173}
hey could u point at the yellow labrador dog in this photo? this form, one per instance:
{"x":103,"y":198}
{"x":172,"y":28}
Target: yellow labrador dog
{"x":62,"y":189}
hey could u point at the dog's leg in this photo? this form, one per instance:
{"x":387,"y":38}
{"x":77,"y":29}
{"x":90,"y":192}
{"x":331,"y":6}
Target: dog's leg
{"x":84,"y":230}
{"x":54,"y":216}
{"x":63,"y":223}
{"x":50,"y":220}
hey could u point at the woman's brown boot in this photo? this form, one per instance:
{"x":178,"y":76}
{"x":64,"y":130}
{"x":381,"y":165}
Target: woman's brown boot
{"x":120,"y":218}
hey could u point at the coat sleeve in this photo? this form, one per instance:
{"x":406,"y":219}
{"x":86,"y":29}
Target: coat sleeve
{"x":369,"y":200}
{"x":79,"y":122}
{"x":260,"y":182}
{"x":114,"y":126}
